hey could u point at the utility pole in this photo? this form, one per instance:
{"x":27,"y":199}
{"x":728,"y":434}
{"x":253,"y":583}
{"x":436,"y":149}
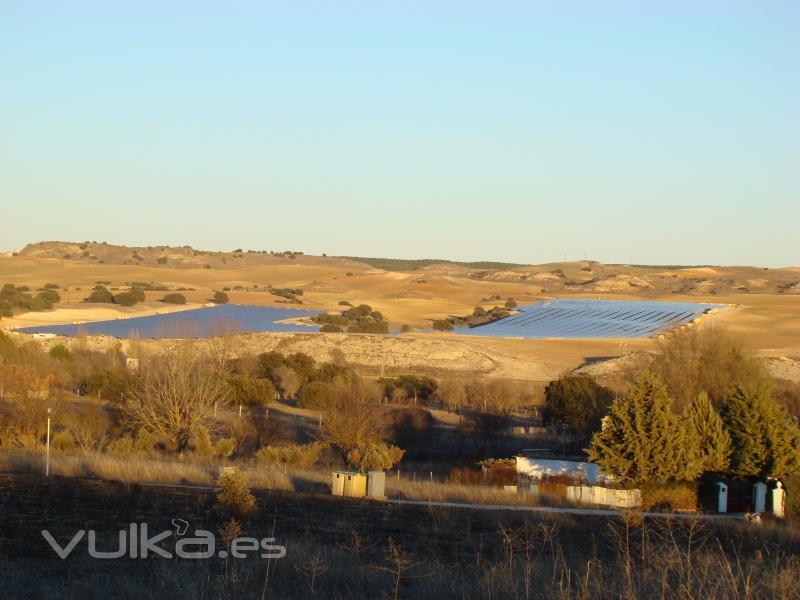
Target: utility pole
{"x":47,"y":448}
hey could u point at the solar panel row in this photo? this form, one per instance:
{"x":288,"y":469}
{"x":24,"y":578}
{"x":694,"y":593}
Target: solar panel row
{"x":192,"y":323}
{"x":591,"y":319}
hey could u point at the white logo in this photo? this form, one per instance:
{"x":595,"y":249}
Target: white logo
{"x":136,"y":542}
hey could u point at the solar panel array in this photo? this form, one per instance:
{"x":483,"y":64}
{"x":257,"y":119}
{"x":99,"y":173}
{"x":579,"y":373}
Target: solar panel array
{"x":192,"y":323}
{"x":591,"y":319}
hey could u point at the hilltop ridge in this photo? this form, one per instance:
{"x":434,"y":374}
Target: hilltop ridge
{"x":586,"y":276}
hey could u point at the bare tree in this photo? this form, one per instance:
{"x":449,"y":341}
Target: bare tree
{"x":701,"y":360}
{"x":354,"y":422}
{"x":453,"y":393}
{"x":175,"y":396}
{"x":90,"y":427}
{"x":287,"y":381}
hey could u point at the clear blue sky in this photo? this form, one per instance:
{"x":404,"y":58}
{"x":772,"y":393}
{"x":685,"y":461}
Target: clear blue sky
{"x":639,"y":132}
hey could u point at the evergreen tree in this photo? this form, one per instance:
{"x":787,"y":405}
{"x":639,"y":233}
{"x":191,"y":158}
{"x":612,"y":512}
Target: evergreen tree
{"x":577,"y":401}
{"x":642,"y":440}
{"x":708,"y":443}
{"x":783,"y":439}
{"x":765,"y":441}
{"x":744,"y":417}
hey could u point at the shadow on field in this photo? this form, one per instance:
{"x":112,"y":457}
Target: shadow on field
{"x":306,"y":485}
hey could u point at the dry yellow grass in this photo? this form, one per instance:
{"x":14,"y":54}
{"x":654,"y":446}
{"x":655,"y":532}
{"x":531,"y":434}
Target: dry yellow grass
{"x":156,"y":470}
{"x":132,"y":469}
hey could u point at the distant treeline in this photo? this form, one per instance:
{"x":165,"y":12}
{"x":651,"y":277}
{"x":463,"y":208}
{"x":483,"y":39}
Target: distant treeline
{"x":410,"y":264}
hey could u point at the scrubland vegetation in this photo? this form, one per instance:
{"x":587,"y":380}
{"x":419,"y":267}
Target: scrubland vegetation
{"x":290,"y":295}
{"x":356,"y":319}
{"x":479,"y":316}
{"x":22,"y":298}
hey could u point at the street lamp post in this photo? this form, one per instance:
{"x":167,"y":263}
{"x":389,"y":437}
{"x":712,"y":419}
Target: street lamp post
{"x":47,"y":450}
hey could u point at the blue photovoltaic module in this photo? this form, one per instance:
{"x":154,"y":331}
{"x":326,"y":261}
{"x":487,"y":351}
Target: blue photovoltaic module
{"x":591,"y":319}
{"x":193,"y":323}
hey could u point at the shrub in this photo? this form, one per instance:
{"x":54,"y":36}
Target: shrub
{"x":234,"y":495}
{"x":368,"y":325}
{"x":144,"y":442}
{"x":122,"y":445}
{"x":50,"y":295}
{"x":100,"y":295}
{"x":314,"y":395}
{"x":224,"y":447}
{"x":125,"y":299}
{"x":250,"y":391}
{"x":288,"y":293}
{"x":296,"y":455}
{"x":36,"y":304}
{"x":60,"y":352}
{"x":405,"y":328}
{"x":174,"y":299}
{"x":362,"y":310}
{"x":376,"y":457}
{"x":344,"y":303}
{"x":511,"y":303}
{"x":220,"y":298}
{"x":205,"y":448}
{"x":442,"y":325}
{"x":109,"y":383}
{"x":325,"y":319}
{"x":62,"y":440}
{"x":162,"y":260}
{"x":330,"y":328}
